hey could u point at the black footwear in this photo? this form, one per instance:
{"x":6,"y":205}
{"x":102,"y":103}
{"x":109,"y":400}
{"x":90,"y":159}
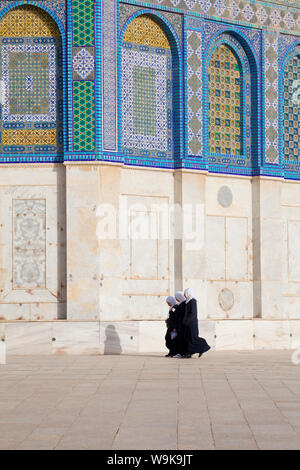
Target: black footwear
{"x":168,"y":355}
{"x":187,"y":356}
{"x":200,"y":354}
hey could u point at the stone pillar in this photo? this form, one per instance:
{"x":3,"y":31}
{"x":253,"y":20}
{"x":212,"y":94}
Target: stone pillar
{"x":110,"y":250}
{"x":82,"y":196}
{"x":268,"y":254}
{"x":193,"y":258}
{"x":178,"y":243}
{"x":256,"y":240}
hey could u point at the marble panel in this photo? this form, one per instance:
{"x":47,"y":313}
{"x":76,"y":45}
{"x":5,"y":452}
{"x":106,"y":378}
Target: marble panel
{"x":272,"y":334}
{"x":232,"y":334}
{"x":28,"y":338}
{"x":152,"y":336}
{"x":76,"y":338}
{"x":119,"y":337}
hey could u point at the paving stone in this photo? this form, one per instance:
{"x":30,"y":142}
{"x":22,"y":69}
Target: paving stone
{"x":230,"y":400}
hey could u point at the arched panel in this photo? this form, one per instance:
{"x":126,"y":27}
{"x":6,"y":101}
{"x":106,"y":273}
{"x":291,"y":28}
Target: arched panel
{"x":225,"y":103}
{"x":291,"y":109}
{"x":230,"y":114}
{"x":150,"y":71}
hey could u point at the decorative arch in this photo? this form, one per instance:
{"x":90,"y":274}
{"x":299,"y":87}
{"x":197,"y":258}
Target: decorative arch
{"x":244,"y":153}
{"x":33,"y":83}
{"x":41,"y":6}
{"x":149,"y":46}
{"x":289,"y":112}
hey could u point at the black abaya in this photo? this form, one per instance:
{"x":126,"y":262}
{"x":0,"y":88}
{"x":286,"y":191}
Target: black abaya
{"x":172,"y":344}
{"x":179,"y":314}
{"x":193,"y":344}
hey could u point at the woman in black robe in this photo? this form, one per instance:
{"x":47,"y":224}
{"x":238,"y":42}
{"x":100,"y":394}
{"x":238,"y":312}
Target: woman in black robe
{"x":179,"y":314}
{"x":171,"y":335}
{"x":193,"y":343}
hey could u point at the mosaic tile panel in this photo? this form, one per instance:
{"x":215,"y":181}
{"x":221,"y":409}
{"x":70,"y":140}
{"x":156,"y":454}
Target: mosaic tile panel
{"x":83,"y":62}
{"x":144,"y":100}
{"x":194,"y":88}
{"x":27,"y":21}
{"x":29,"y":137}
{"x":248,"y":12}
{"x":144,"y":30}
{"x":83,"y":22}
{"x":253,"y":37}
{"x":29,"y":243}
{"x":58,"y":7}
{"x":109,"y":74}
{"x":29,"y":76}
{"x":126,"y":10}
{"x":291,"y":110}
{"x":286,"y":43}
{"x":146,"y":95}
{"x":31,"y":70}
{"x":236,"y":101}
{"x":271,"y":98}
{"x":84,"y":115}
{"x":225,"y":104}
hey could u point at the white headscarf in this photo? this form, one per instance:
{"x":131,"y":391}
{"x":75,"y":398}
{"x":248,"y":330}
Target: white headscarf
{"x":188,"y":294}
{"x":171,"y":300}
{"x":179,"y":297}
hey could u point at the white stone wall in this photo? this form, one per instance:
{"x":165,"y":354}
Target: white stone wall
{"x":245,"y":274}
{"x":142,"y":337}
{"x":32,"y":242}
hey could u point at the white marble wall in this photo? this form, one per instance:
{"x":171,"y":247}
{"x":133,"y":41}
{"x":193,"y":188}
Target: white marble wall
{"x":32,"y":242}
{"x":221,"y":273}
{"x":246,"y":266}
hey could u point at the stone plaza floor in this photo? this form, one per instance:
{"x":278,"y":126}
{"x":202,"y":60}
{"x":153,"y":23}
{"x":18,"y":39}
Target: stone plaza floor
{"x":224,"y":400}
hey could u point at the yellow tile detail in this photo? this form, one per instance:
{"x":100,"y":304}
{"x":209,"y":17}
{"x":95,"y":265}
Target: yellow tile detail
{"x":29,"y":137}
{"x":144,"y":30}
{"x":225,"y":102}
{"x":28,"y":21}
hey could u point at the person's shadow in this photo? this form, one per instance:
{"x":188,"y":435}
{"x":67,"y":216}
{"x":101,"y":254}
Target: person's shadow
{"x":112,"y":343}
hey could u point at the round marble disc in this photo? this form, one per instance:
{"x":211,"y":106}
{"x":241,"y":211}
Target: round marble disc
{"x":225,"y":196}
{"x":226,"y":299}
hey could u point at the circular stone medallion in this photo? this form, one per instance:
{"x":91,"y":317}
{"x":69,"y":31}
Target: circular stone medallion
{"x":226,"y":299}
{"x":225,"y":196}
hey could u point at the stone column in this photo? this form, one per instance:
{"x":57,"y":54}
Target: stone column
{"x":268,"y":248}
{"x":82,"y":196}
{"x":193,"y":257}
{"x":110,"y":252}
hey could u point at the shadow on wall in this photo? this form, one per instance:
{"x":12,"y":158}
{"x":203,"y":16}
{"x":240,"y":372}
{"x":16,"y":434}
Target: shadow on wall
{"x":61,"y":243}
{"x":112,"y":344}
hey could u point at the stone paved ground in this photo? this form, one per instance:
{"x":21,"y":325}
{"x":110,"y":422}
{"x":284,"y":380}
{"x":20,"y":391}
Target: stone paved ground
{"x":225,"y":400}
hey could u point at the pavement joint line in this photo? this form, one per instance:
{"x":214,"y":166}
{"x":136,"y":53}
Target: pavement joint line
{"x":208,"y":412}
{"x":285,"y":419}
{"x":244,"y":414}
{"x":128,"y":404}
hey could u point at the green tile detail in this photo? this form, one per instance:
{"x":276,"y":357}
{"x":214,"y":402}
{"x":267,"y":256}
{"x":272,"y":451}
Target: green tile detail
{"x":83,"y":22}
{"x":28,"y":83}
{"x":83,"y":116}
{"x":291,"y":111}
{"x":144,"y":100}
